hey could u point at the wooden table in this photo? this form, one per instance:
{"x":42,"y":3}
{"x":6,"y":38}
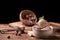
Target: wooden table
{"x":54,"y":36}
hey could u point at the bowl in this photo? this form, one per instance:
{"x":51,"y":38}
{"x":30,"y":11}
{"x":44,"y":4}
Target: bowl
{"x":41,"y":32}
{"x":25,"y":19}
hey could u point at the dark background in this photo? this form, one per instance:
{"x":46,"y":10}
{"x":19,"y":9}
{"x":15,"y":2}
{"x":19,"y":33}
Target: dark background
{"x":9,"y":10}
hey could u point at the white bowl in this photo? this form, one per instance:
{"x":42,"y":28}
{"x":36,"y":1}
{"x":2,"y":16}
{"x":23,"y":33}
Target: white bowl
{"x":42,"y":33}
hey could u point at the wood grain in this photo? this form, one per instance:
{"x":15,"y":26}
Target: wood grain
{"x":54,"y":24}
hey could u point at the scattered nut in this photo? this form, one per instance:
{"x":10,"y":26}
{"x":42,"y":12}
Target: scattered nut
{"x":30,"y":33}
{"x":8,"y":37}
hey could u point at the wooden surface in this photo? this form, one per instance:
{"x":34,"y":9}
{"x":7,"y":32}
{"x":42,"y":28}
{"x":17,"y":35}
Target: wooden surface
{"x":54,"y":36}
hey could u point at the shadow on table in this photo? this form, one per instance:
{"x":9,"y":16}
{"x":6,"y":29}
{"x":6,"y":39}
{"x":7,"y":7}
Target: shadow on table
{"x":50,"y":38}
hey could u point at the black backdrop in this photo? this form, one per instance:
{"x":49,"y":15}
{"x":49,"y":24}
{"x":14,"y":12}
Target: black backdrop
{"x":9,"y":10}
